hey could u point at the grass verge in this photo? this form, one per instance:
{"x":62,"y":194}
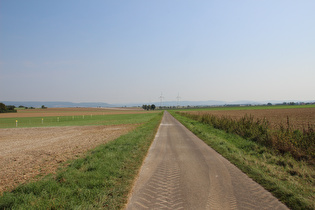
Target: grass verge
{"x":289,"y":180}
{"x":101,"y":179}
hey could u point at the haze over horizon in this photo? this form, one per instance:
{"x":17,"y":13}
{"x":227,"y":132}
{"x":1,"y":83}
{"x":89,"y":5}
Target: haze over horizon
{"x":132,"y":51}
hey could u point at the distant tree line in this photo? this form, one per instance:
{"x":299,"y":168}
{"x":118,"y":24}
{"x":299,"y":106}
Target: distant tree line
{"x":11,"y":108}
{"x":148,"y":107}
{"x":25,"y":107}
{"x":6,"y":108}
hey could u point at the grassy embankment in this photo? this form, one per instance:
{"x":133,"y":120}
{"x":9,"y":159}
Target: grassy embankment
{"x":284,"y":138}
{"x":289,"y":180}
{"x":100,"y":179}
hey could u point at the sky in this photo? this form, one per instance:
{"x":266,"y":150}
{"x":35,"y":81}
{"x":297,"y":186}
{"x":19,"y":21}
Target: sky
{"x":134,"y":51}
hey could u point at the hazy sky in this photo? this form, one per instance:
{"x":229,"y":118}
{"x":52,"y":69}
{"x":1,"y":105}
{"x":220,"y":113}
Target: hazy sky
{"x":130,"y":51}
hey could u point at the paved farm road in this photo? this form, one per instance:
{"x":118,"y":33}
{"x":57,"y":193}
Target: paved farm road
{"x":182,"y":172}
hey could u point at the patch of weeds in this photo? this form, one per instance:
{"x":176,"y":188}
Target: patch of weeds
{"x":281,"y":163}
{"x":299,"y":143}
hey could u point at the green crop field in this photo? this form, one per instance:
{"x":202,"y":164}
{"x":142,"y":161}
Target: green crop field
{"x":75,"y":120}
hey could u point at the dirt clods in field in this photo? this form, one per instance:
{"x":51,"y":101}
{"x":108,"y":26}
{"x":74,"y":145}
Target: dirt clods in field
{"x":26,"y":153}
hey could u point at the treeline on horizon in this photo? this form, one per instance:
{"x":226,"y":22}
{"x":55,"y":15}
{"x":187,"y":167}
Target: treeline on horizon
{"x":6,"y":108}
{"x":11,"y":108}
{"x":148,"y":107}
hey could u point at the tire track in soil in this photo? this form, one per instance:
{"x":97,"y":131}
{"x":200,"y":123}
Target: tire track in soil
{"x":249,"y":194}
{"x":163,"y":190}
{"x":221,"y":194}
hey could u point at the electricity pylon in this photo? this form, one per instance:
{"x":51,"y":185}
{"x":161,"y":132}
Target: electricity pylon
{"x":178,"y":100}
{"x":161,"y":99}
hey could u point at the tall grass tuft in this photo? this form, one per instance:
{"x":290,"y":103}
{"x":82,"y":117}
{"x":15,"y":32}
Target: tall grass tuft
{"x":284,"y":139}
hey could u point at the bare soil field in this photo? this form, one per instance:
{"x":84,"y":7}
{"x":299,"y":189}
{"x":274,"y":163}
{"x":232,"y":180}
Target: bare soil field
{"x":70,"y":112}
{"x":298,"y":118}
{"x":26,"y":153}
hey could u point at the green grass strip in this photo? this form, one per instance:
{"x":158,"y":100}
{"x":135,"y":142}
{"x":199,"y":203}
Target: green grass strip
{"x":101,"y":179}
{"x":289,"y":180}
{"x":78,"y":120}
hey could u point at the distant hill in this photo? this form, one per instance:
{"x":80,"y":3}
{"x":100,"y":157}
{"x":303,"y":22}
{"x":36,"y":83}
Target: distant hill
{"x":56,"y":104}
{"x":216,"y":103}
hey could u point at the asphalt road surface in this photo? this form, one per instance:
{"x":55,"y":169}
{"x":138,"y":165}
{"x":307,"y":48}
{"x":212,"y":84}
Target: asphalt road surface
{"x":182,"y":172}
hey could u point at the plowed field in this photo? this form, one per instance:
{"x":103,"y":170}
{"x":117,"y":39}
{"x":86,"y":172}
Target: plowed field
{"x":26,"y":153}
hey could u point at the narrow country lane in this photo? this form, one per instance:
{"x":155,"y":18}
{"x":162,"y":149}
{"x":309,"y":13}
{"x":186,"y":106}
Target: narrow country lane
{"x":182,"y":172}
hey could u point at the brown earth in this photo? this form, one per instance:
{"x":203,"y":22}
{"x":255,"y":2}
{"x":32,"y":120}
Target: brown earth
{"x":70,"y":112}
{"x":26,"y":153}
{"x":299,"y":118}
